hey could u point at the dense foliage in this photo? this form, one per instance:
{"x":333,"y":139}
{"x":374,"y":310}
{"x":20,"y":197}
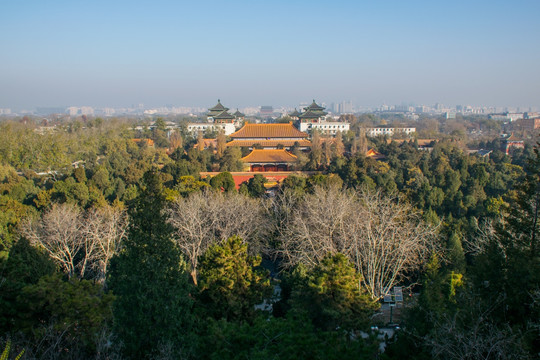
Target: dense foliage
{"x":112,"y":246}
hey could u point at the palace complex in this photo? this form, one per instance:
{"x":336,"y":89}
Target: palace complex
{"x":269,"y":143}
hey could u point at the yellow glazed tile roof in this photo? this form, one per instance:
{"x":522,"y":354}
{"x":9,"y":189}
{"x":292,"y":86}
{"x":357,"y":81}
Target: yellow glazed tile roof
{"x":269,"y":143}
{"x":269,"y":156}
{"x":268,"y":131}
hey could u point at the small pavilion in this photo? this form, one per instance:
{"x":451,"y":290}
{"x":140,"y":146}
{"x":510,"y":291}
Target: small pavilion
{"x":513,"y":142}
{"x":220,"y":114}
{"x":313,"y":113}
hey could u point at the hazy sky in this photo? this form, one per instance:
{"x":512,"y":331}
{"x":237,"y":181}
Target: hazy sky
{"x":118,"y":53}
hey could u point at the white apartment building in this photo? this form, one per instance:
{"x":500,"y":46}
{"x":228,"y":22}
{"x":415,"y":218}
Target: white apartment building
{"x":194,"y":128}
{"x":390,"y":131}
{"x":325,"y":127}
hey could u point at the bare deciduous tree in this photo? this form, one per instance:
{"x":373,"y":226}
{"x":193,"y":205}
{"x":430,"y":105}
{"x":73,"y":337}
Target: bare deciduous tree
{"x":384,"y":238}
{"x":209,"y":217}
{"x":58,"y":232}
{"x":79,"y":241}
{"x":316,"y":225}
{"x":103,"y":230}
{"x":471,"y":335}
{"x":389,"y":240}
{"x":485,"y":233}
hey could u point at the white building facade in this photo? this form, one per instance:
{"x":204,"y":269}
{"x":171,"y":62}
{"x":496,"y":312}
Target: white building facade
{"x":325,"y":127}
{"x":390,"y":131}
{"x":195,"y":128}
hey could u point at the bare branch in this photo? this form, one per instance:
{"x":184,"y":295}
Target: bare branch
{"x":383,"y":237}
{"x":79,"y":242}
{"x":209,"y":217}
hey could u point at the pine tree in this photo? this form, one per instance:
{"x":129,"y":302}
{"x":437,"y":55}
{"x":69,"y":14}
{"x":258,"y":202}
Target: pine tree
{"x":332,"y":295}
{"x":150,"y":280}
{"x":24,"y":266}
{"x":256,"y":187}
{"x":456,"y":256}
{"x":231,"y":282}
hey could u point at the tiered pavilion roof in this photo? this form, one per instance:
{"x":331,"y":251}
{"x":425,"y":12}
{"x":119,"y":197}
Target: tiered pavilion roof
{"x":313,"y":113}
{"x":219,"y":113}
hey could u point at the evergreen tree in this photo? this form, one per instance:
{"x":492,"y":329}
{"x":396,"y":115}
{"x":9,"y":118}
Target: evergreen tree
{"x":72,"y":311}
{"x":24,"y":266}
{"x":231,"y":282}
{"x":223,"y":181}
{"x":332,"y":296}
{"x":256,"y":187}
{"x":150,"y":280}
{"x":456,"y":256}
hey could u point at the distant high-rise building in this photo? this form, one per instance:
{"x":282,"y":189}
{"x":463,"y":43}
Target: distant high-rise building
{"x":87,"y":110}
{"x":345,"y":107}
{"x":266,"y":111}
{"x":49,"y":110}
{"x":72,"y":111}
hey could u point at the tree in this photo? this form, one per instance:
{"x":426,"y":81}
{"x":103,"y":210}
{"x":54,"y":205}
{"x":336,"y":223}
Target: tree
{"x":176,"y":141}
{"x":338,"y":146}
{"x":362,"y":143}
{"x":105,"y":228}
{"x":316,"y":154}
{"x":81,"y":243}
{"x":232,"y":282}
{"x":327,"y":152}
{"x":231,"y":159}
{"x":59,"y":233}
{"x":24,"y":266}
{"x":332,"y":297}
{"x":206,"y":218}
{"x":187,"y":185}
{"x":385,"y":239}
{"x":295,"y":183}
{"x":200,"y":141}
{"x":149,"y":278}
{"x":456,"y":256}
{"x":507,"y":266}
{"x":77,"y":310}
{"x":471,"y":336}
{"x":354,"y":146}
{"x":223,"y":181}
{"x":221,"y":143}
{"x":289,"y":338}
{"x":256,"y":187}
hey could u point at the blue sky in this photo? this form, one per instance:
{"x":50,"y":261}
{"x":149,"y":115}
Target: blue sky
{"x":118,"y":53}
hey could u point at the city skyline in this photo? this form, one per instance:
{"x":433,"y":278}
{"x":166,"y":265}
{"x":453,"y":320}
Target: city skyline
{"x":103,"y":54}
